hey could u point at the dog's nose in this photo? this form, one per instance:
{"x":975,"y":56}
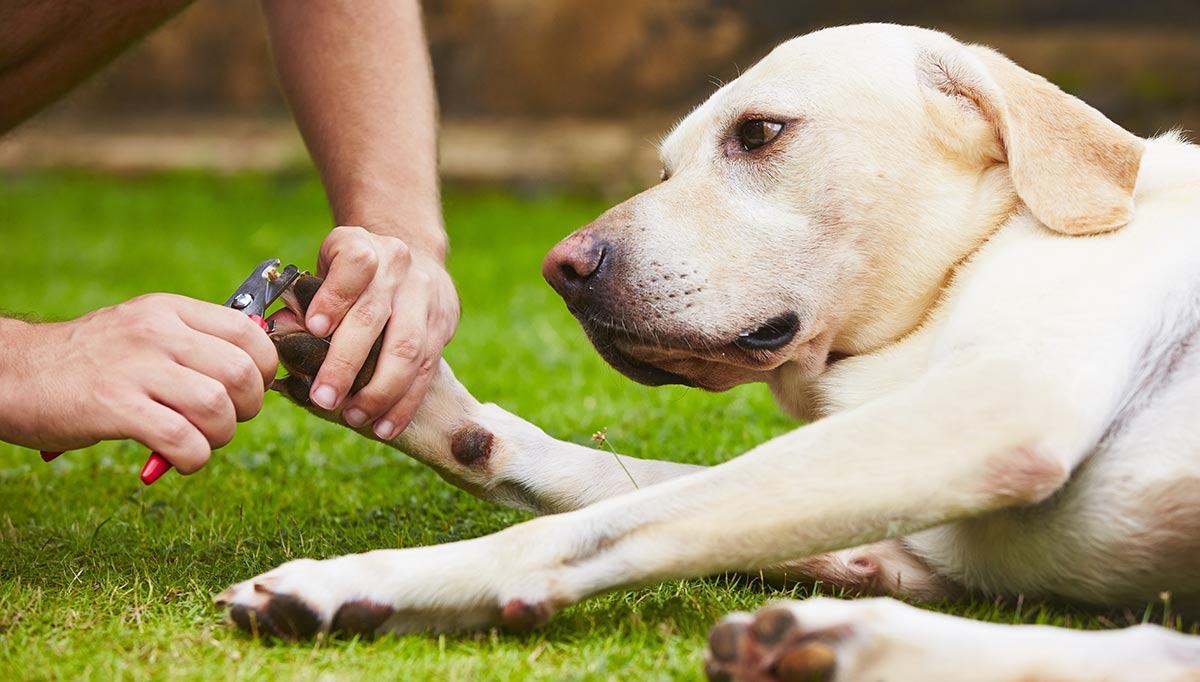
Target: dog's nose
{"x":575,"y":264}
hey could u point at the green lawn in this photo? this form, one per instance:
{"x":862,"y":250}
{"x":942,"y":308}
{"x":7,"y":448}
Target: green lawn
{"x":103,"y":579}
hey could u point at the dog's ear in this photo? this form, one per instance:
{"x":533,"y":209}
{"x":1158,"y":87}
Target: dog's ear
{"x":1073,"y":168}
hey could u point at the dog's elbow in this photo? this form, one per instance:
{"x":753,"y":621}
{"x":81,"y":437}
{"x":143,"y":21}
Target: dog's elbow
{"x":1023,"y":476}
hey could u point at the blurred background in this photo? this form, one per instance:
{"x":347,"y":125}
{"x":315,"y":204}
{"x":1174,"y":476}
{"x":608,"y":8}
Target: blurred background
{"x":575,"y":92}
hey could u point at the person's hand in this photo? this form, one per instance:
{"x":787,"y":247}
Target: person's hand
{"x":170,"y":372}
{"x":375,"y":284}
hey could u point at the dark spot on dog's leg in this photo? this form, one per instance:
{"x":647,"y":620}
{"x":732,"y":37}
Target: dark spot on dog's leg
{"x":471,"y":444}
{"x":361,"y":618}
{"x":519,"y":615}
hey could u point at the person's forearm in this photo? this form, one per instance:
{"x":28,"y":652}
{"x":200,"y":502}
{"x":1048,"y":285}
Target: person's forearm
{"x":358,"y":78}
{"x":11,"y":332}
{"x":49,"y":47}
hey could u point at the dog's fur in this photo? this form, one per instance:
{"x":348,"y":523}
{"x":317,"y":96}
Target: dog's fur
{"x":1010,"y":286}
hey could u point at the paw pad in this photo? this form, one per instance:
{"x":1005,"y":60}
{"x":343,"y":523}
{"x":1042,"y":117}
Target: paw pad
{"x":770,"y":646}
{"x":281,"y":615}
{"x":361,"y":618}
{"x":521,"y":616}
{"x":302,"y":354}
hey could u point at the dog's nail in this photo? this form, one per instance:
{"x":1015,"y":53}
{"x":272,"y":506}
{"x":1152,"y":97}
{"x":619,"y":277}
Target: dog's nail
{"x":319,"y":325}
{"x":324,"y":397}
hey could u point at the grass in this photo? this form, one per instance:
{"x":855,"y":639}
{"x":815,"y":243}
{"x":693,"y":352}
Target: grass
{"x":103,"y":579}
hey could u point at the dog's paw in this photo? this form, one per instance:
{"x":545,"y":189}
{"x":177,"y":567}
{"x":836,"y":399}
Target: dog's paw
{"x":301,"y":353}
{"x":816,"y":640}
{"x":421,"y":589}
{"x":303,"y":599}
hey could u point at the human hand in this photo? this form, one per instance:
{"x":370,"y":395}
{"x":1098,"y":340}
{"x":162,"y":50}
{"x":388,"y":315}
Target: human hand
{"x":170,"y":372}
{"x":375,"y":284}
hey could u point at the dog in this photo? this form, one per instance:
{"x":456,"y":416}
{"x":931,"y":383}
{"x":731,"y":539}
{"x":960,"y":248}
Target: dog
{"x":983,"y":295}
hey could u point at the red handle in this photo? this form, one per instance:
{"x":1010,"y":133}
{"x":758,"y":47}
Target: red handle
{"x":154,"y":468}
{"x":156,"y":465}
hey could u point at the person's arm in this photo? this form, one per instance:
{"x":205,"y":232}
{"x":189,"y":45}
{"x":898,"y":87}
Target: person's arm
{"x":172,"y":373}
{"x":358,"y":78}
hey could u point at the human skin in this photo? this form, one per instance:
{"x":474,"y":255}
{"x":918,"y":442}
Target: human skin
{"x":367,"y":113}
{"x":357,"y":75}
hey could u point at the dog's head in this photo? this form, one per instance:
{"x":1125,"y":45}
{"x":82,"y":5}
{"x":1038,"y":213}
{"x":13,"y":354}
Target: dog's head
{"x":819,"y":202}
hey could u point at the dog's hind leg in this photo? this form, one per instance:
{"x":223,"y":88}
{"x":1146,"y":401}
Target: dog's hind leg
{"x":884,"y":568}
{"x":882,"y":639}
{"x":478,"y":447}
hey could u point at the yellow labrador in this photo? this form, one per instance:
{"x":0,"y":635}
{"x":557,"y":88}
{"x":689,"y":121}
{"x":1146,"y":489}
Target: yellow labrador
{"x":983,"y":293}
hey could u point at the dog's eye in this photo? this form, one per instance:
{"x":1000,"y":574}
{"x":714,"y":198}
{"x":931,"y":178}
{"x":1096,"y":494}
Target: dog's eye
{"x":758,"y":132}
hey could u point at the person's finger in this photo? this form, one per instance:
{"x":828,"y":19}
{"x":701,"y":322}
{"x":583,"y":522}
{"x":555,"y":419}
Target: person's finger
{"x":401,"y":355}
{"x":228,"y":364}
{"x":200,"y":399}
{"x":232,"y":326}
{"x":348,"y":262}
{"x":398,"y":418}
{"x":168,"y":433}
{"x":348,"y":350}
{"x":443,"y":321}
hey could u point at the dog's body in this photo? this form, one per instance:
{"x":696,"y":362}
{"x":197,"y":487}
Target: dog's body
{"x":1123,"y":311}
{"x":876,"y":221}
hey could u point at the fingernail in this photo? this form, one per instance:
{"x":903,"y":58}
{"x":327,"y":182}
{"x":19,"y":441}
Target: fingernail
{"x":318,"y":325}
{"x":355,"y":416}
{"x":384,"y":428}
{"x":324,"y":397}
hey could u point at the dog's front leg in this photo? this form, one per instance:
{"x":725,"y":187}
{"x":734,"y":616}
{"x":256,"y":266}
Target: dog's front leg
{"x":974,"y":435}
{"x":478,"y":447}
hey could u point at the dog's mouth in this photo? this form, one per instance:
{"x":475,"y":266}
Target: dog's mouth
{"x":771,"y":335}
{"x":656,"y":358}
{"x":639,"y":370}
